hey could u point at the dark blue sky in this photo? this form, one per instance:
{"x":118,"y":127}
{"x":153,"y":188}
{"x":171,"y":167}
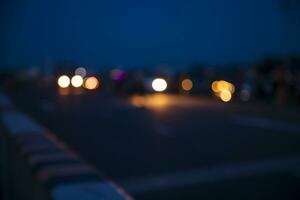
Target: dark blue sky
{"x":141,"y":33}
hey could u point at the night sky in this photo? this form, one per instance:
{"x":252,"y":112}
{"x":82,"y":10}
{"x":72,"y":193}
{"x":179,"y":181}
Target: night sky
{"x":143,"y":33}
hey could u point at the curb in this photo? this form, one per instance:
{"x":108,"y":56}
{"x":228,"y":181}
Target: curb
{"x":56,"y":172}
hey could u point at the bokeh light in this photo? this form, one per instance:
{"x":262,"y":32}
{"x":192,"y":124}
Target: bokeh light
{"x":159,"y":85}
{"x":231,"y":88}
{"x":225,"y":96}
{"x":91,"y":83}
{"x":187,"y":84}
{"x":245,"y":95}
{"x":223,"y":89}
{"x":118,"y":75}
{"x":63,"y":81}
{"x":77,"y":81}
{"x":81,"y":71}
{"x":222,"y":85}
{"x":214,"y":86}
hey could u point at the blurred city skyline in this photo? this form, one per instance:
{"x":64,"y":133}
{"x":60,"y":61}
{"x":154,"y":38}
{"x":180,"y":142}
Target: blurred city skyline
{"x":135,"y":33}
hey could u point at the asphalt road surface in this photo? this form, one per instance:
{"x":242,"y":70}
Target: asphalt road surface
{"x":176,"y":147}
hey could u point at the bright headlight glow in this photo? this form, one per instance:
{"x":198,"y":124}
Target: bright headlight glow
{"x":77,"y":81}
{"x":159,"y":85}
{"x":63,"y":81}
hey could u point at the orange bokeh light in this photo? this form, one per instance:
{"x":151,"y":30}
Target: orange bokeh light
{"x":91,"y":83}
{"x":187,"y":84}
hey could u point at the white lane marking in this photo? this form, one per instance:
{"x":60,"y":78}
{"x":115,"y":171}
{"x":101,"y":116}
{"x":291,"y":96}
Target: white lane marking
{"x":208,"y":175}
{"x":89,"y":191}
{"x":19,"y":123}
{"x":266,"y":123}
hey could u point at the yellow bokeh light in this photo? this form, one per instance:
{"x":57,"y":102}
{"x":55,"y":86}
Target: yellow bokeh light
{"x":223,"y":90}
{"x":214,"y":86}
{"x":222,"y":85}
{"x":187,"y":84}
{"x":91,"y":83}
{"x":219,"y":86}
{"x":225,"y":96}
{"x":63,"y":81}
{"x":231,"y":88}
{"x":77,"y":81}
{"x":159,"y":85}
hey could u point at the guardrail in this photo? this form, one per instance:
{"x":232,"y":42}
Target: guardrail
{"x":36,"y":165}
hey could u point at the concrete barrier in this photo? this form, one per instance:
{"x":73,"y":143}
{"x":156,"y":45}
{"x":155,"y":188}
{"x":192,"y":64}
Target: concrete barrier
{"x":36,"y":165}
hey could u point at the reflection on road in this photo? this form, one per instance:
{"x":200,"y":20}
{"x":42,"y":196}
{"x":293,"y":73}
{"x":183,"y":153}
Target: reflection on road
{"x":161,"y":101}
{"x":157,"y":101}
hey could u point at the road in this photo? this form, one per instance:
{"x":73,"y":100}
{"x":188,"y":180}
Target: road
{"x":175,"y":147}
